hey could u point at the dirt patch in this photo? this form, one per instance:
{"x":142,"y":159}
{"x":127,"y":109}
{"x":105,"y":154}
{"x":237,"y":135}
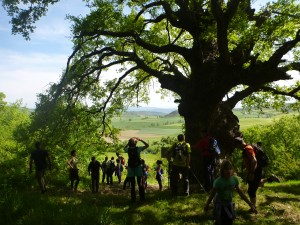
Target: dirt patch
{"x":126,"y":134}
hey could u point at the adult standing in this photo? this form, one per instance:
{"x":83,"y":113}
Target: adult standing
{"x":134,"y":166}
{"x":41,"y":159}
{"x":110,"y":168}
{"x":104,"y":169}
{"x":209,"y":151}
{"x":94,"y":171}
{"x":254,"y":171}
{"x":179,"y":157}
{"x":73,"y":171}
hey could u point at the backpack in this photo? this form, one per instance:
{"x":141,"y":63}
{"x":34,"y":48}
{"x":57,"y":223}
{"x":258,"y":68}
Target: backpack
{"x":212,"y":150}
{"x":213,"y":147}
{"x":134,"y":159}
{"x":179,"y":150}
{"x":261,"y":156}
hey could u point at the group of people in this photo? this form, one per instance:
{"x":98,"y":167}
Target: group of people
{"x":179,"y":156}
{"x":227,"y":182}
{"x":221,"y":187}
{"x":108,"y":167}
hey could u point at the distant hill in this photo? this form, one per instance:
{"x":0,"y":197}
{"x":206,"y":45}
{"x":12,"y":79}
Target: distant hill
{"x":151,"y":109}
{"x":144,"y":113}
{"x":173,"y":113}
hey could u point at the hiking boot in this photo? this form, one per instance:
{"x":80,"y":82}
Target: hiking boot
{"x":273,"y":178}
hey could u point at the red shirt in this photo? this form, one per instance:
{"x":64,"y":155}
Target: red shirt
{"x":203,"y":145}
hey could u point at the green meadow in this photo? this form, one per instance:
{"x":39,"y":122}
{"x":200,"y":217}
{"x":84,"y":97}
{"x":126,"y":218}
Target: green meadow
{"x":147,"y":125}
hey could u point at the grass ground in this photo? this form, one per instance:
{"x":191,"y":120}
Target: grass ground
{"x":277,"y":204}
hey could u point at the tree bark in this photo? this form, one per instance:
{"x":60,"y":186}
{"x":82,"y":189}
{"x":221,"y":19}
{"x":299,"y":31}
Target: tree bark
{"x":217,"y":120}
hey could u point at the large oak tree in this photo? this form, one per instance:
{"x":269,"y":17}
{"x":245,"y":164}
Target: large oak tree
{"x":209,"y":54}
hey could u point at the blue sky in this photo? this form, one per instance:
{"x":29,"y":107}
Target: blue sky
{"x":28,"y":67}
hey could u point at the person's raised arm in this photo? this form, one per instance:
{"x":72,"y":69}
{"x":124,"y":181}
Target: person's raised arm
{"x":145,"y":143}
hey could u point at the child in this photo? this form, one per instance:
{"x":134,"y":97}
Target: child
{"x":159,"y":172}
{"x":145,"y":169}
{"x":224,"y":212}
{"x":119,"y":170}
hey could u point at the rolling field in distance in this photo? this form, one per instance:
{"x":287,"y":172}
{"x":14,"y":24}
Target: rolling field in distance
{"x":154,"y":125}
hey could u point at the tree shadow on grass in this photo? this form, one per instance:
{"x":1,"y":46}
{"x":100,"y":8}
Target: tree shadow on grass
{"x":286,"y":200}
{"x":293,"y":188}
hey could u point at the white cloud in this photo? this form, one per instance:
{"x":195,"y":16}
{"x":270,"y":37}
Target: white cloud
{"x":23,"y":76}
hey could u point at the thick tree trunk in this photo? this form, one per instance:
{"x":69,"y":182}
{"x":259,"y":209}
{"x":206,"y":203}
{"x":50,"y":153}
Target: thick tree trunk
{"x":219,"y":121}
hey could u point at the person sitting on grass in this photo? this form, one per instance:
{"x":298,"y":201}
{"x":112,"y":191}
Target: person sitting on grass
{"x":223,"y":186}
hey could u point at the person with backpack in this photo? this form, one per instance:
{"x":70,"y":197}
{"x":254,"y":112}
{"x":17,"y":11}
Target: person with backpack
{"x":254,"y":171}
{"x":179,"y":158}
{"x":134,"y":166}
{"x":110,"y":165}
{"x":94,"y":171}
{"x":222,"y":193}
{"x":209,"y":151}
{"x":254,"y":160}
{"x":104,"y":169}
{"x":273,"y":177}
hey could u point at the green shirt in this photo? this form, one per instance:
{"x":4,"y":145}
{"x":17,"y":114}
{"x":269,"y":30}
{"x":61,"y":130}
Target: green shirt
{"x":180,"y":159}
{"x":225,"y":188}
{"x":137,"y":171}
